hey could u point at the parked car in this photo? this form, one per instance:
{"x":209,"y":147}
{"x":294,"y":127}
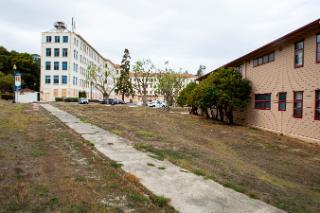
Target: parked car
{"x":108,"y":101}
{"x":151,"y":103}
{"x":157,"y":104}
{"x":83,"y":101}
{"x":118,"y":101}
{"x":160,"y":104}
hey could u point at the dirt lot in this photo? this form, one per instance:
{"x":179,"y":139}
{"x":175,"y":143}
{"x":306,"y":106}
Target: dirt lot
{"x":46,"y":167}
{"x":279,"y":170}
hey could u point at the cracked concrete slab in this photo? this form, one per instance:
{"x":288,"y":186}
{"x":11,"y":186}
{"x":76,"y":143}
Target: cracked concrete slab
{"x":187,"y":191}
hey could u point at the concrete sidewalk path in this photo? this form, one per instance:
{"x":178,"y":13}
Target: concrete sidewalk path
{"x":187,"y":191}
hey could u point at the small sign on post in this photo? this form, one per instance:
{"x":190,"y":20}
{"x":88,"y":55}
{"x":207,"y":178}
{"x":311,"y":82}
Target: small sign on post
{"x":17,"y":81}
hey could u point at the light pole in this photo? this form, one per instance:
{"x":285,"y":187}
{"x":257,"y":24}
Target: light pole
{"x":14,"y":83}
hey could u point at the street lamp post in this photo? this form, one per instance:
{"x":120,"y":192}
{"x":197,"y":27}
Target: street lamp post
{"x":17,"y":83}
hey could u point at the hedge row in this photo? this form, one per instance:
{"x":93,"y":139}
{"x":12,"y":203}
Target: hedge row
{"x":7,"y":97}
{"x":70,"y":99}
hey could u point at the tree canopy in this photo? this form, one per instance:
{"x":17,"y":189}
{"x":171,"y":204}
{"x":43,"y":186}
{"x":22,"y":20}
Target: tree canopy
{"x":26,"y":65}
{"x":102,"y":79}
{"x":184,"y":95}
{"x":222,"y":92}
{"x":123,"y":85}
{"x":142,"y":71}
{"x":169,"y":85}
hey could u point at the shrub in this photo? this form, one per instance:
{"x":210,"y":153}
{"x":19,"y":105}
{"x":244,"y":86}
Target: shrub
{"x":182,"y":99}
{"x":7,"y":97}
{"x":58,"y":99}
{"x":71,"y":99}
{"x":94,"y":101}
{"x":82,"y":94}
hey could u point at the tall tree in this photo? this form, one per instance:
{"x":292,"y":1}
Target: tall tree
{"x":169,"y":85}
{"x":142,"y":71}
{"x":124,"y":86}
{"x":102,"y":79}
{"x":201,"y":70}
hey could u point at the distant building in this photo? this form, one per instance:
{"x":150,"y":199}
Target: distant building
{"x":152,"y":86}
{"x":65,"y":57}
{"x":285,"y":76}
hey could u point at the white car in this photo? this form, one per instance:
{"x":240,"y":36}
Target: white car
{"x":83,"y":101}
{"x":157,"y":104}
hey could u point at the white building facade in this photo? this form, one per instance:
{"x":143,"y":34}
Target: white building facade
{"x":65,"y":58}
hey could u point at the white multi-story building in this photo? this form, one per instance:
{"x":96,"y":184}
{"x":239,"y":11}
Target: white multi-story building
{"x":65,"y":58}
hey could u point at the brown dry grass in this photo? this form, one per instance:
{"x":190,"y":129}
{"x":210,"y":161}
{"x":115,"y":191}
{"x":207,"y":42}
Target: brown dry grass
{"x":45,"y":167}
{"x":278,"y":170}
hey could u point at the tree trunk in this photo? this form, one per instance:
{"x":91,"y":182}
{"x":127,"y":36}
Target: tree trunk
{"x":221,"y":114}
{"x":144,"y":100}
{"x":105,"y":95}
{"x":230,"y":115}
{"x":122,"y":96}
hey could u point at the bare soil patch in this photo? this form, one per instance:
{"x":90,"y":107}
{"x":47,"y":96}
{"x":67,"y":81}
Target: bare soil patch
{"x":279,"y":170}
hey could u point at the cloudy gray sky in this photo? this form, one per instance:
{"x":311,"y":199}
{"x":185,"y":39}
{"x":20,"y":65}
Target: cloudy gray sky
{"x":184,"y":32}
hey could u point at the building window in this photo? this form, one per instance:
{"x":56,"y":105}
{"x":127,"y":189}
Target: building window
{"x":56,"y":52}
{"x":48,"y":51}
{"x":263,"y":59}
{"x":75,"y":81}
{"x":317,"y":105}
{"x":48,"y":79}
{"x":57,"y":39}
{"x":48,"y":65}
{"x":64,"y":52}
{"x":297,"y":104}
{"x":298,"y":54}
{"x":75,"y":67}
{"x":318,"y":49}
{"x":64,"y":79}
{"x":56,"y":79}
{"x":263,"y":101}
{"x":64,"y":65}
{"x":65,"y":39}
{"x":282,"y":101}
{"x":48,"y":39}
{"x":56,"y":65}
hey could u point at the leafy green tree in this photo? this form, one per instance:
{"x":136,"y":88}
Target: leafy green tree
{"x":142,"y":72}
{"x":222,"y":92}
{"x":169,"y":85}
{"x":6,"y":82}
{"x":124,"y":86}
{"x":183,"y":97}
{"x":27,"y":66}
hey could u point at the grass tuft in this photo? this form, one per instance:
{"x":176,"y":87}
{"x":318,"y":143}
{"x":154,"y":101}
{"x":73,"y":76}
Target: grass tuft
{"x":160,"y":201}
{"x":116,"y":164}
{"x":198,"y":172}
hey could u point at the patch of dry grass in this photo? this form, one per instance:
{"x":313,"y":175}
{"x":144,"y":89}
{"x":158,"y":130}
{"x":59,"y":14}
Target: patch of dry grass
{"x":46,"y":167}
{"x":276,"y":169}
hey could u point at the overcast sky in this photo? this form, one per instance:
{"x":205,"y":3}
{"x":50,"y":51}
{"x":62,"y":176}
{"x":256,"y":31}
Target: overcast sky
{"x":186,"y":33}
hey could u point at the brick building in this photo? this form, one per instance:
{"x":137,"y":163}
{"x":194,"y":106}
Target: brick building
{"x":285,"y":76}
